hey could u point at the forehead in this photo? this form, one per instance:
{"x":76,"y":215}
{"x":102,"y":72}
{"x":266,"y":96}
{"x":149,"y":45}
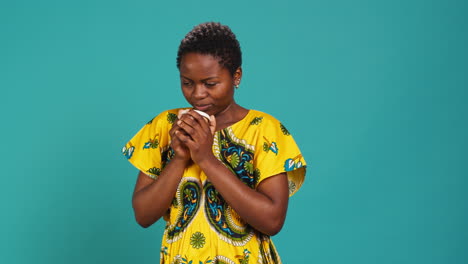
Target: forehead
{"x":200,"y":65}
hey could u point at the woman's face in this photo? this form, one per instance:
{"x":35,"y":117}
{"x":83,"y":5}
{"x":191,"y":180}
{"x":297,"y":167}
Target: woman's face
{"x":206,"y":85}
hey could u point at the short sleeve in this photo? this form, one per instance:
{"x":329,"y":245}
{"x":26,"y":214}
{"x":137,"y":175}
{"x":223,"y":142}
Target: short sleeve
{"x":149,"y":149}
{"x":277,"y":152}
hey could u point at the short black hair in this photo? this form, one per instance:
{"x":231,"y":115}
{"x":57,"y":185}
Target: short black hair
{"x":213,"y":39}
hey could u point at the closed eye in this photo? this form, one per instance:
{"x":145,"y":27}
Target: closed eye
{"x":210,"y":84}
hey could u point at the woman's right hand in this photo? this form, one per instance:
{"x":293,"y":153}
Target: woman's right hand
{"x":181,"y":151}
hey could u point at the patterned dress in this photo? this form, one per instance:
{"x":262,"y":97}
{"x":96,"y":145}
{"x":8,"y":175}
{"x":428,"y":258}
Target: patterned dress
{"x":201,"y":227}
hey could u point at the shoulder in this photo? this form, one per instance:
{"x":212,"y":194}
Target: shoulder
{"x":258,"y":117}
{"x":167,"y":116}
{"x":161,"y":123}
{"x":264,"y":120}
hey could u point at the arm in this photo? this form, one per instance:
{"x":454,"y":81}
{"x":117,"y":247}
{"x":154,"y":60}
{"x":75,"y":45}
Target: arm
{"x":152,"y":198}
{"x":264,"y":208}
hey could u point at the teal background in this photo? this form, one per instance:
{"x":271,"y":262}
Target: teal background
{"x":373,"y":91}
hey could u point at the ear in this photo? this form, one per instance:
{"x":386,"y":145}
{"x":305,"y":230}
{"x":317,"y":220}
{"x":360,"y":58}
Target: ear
{"x":237,"y":76}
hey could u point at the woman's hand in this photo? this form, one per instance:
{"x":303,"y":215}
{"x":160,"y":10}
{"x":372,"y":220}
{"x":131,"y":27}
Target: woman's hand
{"x":181,"y":151}
{"x":196,"y":133}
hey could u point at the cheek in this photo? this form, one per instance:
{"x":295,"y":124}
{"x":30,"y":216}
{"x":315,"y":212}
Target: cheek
{"x":186,"y":94}
{"x":229,"y":92}
{"x":225,"y":97}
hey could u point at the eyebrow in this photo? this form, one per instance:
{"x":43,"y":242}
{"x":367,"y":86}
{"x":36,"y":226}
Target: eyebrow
{"x":206,"y":79}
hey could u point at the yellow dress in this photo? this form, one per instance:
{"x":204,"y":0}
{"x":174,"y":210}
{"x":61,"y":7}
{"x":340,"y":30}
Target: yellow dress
{"x":201,"y":227}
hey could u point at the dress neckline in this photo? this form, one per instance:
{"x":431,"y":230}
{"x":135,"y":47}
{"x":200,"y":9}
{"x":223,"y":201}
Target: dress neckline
{"x":249,"y":111}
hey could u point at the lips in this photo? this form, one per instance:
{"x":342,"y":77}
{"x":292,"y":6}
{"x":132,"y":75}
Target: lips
{"x":203,"y":108}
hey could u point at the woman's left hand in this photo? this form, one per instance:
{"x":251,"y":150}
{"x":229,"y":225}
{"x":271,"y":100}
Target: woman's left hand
{"x":197,"y":136}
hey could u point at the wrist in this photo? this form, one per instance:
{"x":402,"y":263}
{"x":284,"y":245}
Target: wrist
{"x":184,"y":161}
{"x":207,"y":161}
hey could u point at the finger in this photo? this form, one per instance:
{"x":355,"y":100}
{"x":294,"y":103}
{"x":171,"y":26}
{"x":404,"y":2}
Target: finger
{"x":212,"y":124}
{"x":186,"y":128}
{"x":198,"y":122}
{"x":201,"y":120}
{"x":194,"y":118}
{"x":185,"y":139}
{"x":177,"y":145}
{"x":205,"y":116}
{"x":189,"y":120}
{"x":174,"y":128}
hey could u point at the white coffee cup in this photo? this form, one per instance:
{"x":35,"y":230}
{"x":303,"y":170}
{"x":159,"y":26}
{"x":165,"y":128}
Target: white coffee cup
{"x":205,"y":115}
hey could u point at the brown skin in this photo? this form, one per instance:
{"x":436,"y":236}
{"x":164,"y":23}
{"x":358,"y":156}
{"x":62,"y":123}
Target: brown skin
{"x":209,"y":87}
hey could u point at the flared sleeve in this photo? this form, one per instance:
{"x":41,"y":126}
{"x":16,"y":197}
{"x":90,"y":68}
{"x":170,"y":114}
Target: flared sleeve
{"x":277,"y":152}
{"x":149,"y":150}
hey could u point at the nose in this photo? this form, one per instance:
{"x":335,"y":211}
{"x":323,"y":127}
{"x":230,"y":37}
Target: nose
{"x":199,"y":92}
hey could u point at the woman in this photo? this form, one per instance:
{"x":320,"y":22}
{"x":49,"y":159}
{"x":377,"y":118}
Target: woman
{"x":222,"y":184}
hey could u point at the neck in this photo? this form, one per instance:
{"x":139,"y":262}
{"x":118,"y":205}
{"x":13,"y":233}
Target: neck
{"x":232,"y":114}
